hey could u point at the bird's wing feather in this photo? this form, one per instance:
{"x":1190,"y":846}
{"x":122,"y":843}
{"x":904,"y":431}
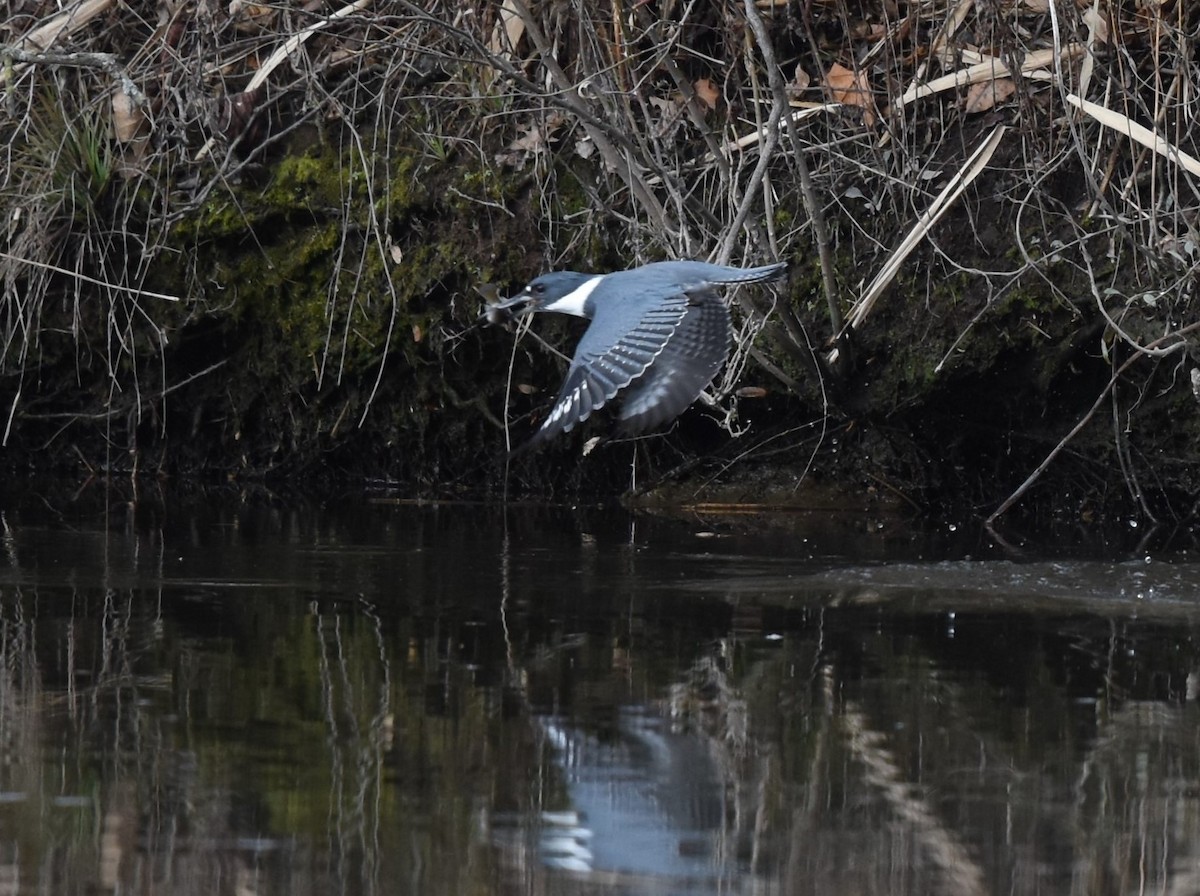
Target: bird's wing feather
{"x":689,"y":275}
{"x":682,"y":370}
{"x":661,"y":363}
{"x":610,"y":356}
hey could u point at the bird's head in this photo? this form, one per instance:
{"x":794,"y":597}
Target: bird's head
{"x":563,"y":291}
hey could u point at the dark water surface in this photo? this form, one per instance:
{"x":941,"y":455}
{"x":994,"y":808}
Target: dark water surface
{"x":257,"y":696}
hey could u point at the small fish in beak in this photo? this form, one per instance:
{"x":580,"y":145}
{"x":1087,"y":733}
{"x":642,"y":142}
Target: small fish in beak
{"x":499,"y":311}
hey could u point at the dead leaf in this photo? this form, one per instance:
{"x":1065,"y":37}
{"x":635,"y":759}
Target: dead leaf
{"x":526,"y":389}
{"x":396,"y":252}
{"x":509,"y":30}
{"x":868,"y":31}
{"x":128,"y":119}
{"x":534,"y":139}
{"x":986,"y":94}
{"x":707,"y":92}
{"x":1097,"y":24}
{"x":839,"y":79}
{"x":851,"y":88}
{"x":584,"y":147}
{"x":250,"y":16}
{"x":131,"y":129}
{"x":62,"y":26}
{"x":530,"y":141}
{"x":417,"y":333}
{"x":236,"y":116}
{"x":751,"y":392}
{"x":799,"y":83}
{"x":671,"y":111}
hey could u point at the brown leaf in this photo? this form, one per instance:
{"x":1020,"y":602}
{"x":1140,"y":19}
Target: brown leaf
{"x":868,"y":31}
{"x":250,"y":16}
{"x":417,"y":333}
{"x":236,"y":117}
{"x":986,"y":94}
{"x":707,"y":92}
{"x":131,"y":129}
{"x":129,"y":120}
{"x":851,"y":88}
{"x":839,"y":79}
{"x":801,"y":80}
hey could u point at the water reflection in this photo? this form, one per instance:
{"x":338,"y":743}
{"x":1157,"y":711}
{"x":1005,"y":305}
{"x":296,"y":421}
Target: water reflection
{"x":233,"y":695}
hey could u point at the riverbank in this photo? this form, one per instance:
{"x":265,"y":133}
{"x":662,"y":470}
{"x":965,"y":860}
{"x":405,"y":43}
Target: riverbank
{"x":252,"y":246}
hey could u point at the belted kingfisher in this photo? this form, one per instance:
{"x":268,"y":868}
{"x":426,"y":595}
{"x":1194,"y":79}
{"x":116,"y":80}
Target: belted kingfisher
{"x":658,"y":336}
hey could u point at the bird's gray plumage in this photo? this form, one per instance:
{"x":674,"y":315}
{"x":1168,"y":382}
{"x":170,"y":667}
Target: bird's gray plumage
{"x":658,"y":336}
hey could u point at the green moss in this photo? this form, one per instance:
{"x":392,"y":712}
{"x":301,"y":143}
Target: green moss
{"x":307,"y":180}
{"x":308,"y":301}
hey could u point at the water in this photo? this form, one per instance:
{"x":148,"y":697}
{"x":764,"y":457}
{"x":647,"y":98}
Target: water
{"x":248,"y":695}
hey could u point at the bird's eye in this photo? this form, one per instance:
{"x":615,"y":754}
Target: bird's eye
{"x":537,"y":288}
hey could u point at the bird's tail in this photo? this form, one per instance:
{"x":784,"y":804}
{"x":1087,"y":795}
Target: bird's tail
{"x":753,"y":275}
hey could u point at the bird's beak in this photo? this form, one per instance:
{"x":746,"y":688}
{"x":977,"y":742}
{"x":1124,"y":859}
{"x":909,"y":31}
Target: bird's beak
{"x":508,"y":309}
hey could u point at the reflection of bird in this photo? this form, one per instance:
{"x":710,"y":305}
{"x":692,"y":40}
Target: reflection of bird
{"x":658,"y":336}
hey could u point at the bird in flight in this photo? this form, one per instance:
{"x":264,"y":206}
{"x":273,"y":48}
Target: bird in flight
{"x":658,"y":335}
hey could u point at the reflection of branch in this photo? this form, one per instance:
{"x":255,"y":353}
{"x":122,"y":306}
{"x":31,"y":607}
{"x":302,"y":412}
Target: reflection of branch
{"x":962,"y":874}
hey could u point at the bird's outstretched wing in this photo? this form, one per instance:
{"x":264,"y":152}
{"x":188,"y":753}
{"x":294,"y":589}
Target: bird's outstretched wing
{"x":658,"y":336}
{"x":611,"y":355}
{"x":682,"y":370}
